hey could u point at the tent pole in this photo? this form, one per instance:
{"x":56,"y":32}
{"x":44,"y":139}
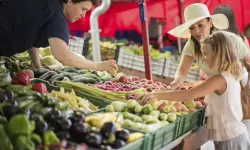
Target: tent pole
{"x":145,"y":38}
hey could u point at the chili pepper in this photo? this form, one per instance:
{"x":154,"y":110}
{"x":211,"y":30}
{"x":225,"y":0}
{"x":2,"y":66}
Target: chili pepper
{"x":40,"y":87}
{"x":23,"y":78}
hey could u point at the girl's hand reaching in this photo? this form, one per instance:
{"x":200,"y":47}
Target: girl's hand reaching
{"x":109,"y":66}
{"x":143,"y":98}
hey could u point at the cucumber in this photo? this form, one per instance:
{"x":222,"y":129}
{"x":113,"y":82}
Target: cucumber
{"x":39,"y":72}
{"x":47,"y":75}
{"x":70,"y":69}
{"x":85,"y":80}
{"x":91,"y":76}
{"x":55,"y":78}
{"x":70,"y":75}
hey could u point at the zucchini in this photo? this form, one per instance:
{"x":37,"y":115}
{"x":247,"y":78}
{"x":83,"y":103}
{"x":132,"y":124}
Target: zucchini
{"x":47,"y":75}
{"x":55,"y":78}
{"x":85,"y":80}
{"x":70,"y":69}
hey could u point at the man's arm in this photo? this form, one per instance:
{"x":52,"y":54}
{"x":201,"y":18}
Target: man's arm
{"x":34,"y":55}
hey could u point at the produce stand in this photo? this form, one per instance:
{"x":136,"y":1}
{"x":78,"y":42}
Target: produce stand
{"x":86,"y":103}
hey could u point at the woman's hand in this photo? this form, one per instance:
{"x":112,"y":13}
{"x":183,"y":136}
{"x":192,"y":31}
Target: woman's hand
{"x":176,"y":84}
{"x":143,"y":98}
{"x":109,"y":66}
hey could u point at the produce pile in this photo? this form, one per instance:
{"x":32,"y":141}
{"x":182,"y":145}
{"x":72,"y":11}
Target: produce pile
{"x":154,"y":53}
{"x":152,"y":116}
{"x":108,"y":49}
{"x":71,"y":74}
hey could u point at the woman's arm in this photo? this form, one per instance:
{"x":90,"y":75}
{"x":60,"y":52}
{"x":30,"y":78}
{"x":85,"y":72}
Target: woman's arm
{"x":201,"y":90}
{"x":34,"y":55}
{"x":182,"y":71}
{"x":62,"y":54}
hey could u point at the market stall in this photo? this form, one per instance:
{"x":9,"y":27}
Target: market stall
{"x":68,"y":107}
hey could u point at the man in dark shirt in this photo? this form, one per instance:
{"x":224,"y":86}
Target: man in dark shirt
{"x":30,"y":24}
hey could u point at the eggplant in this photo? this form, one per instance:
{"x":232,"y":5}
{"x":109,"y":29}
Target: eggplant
{"x":122,"y":134}
{"x":118,"y":143}
{"x":77,"y":117}
{"x":94,"y":140}
{"x":108,"y":129}
{"x":54,"y":115}
{"x":78,"y":131}
{"x":41,"y":126}
{"x":65,"y":124}
{"x":9,"y":94}
{"x":63,"y":135}
{"x":3,"y":97}
{"x":10,"y":109}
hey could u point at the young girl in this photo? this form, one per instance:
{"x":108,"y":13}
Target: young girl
{"x":222,"y":92}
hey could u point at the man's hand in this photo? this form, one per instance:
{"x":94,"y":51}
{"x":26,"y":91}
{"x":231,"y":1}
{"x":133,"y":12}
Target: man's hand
{"x":109,"y":66}
{"x":34,"y":55}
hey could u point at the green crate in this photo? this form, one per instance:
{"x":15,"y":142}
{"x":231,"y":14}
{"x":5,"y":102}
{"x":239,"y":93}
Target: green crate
{"x":192,"y":121}
{"x":140,"y":144}
{"x":136,"y":145}
{"x":198,"y":119}
{"x":163,"y":136}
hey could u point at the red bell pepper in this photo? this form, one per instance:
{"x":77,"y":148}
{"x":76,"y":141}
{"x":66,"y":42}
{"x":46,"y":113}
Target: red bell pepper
{"x":40,"y":87}
{"x":23,"y":78}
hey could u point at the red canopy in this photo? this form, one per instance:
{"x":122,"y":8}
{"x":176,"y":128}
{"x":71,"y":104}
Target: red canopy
{"x":125,"y":15}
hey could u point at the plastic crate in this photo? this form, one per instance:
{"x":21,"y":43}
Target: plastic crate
{"x":76,"y":44}
{"x":192,"y":121}
{"x":137,"y":62}
{"x":171,"y":66}
{"x":163,"y":136}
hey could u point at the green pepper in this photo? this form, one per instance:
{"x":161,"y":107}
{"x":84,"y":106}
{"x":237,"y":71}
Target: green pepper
{"x":36,"y":138}
{"x":23,"y":142}
{"x":3,"y":120}
{"x":5,"y":143}
{"x":49,"y":138}
{"x":19,"y":124}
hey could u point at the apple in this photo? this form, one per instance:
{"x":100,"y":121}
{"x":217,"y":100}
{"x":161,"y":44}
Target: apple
{"x":129,"y":80}
{"x":192,"y":110}
{"x":144,"y":80}
{"x":136,"y":82}
{"x":178,"y":106}
{"x":135,"y":78}
{"x":190,"y":104}
{"x":185,"y":108}
{"x":108,"y":83}
{"x":158,"y":83}
{"x":172,"y":108}
{"x":203,"y":102}
{"x":134,"y":88}
{"x":198,"y":104}
{"x":126,"y":87}
{"x":172,"y":117}
{"x":153,"y":102}
{"x":113,"y":80}
{"x":150,"y":82}
{"x":146,"y":86}
{"x":164,"y":107}
{"x":123,"y":79}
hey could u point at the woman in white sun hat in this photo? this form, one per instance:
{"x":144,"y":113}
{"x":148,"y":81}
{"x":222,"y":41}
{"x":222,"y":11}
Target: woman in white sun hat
{"x":200,"y":24}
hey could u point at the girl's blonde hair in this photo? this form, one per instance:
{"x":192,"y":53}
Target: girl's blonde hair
{"x":224,"y":51}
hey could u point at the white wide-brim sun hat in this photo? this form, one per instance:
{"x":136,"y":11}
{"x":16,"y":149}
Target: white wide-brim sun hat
{"x":194,"y":13}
